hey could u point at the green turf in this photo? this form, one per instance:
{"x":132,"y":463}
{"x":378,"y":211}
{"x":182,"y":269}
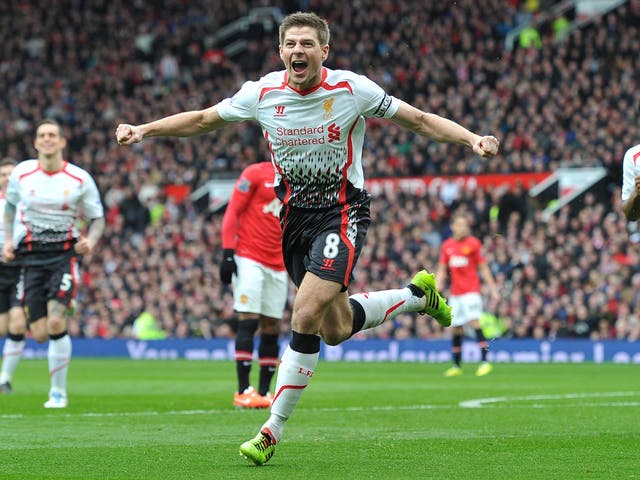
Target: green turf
{"x":174,"y":420}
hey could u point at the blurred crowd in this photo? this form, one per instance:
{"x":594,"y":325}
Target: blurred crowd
{"x":92,"y":64}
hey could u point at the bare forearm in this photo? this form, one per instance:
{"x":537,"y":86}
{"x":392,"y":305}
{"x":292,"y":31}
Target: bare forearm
{"x":487,"y":276}
{"x":445,"y":130}
{"x":434,"y":126}
{"x":441,"y":276}
{"x":9,"y":216}
{"x":185,"y":124}
{"x":96,"y":229}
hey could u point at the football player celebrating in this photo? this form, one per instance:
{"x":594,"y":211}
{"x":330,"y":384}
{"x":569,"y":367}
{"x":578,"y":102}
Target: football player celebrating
{"x":313,"y":119}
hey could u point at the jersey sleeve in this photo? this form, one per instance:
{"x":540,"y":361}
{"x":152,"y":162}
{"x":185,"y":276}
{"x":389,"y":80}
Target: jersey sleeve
{"x":628,"y":176}
{"x":91,"y":202}
{"x":240,"y":198}
{"x":242,"y":105}
{"x":13,"y":192}
{"x":479,"y":257}
{"x":372,"y":100}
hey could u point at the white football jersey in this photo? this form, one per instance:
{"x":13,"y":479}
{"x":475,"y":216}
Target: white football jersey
{"x":315,"y":136}
{"x":630,"y":170}
{"x":3,"y":200}
{"x":49,"y":204}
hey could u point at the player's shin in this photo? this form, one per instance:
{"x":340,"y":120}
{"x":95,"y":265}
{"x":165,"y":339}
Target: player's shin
{"x":244,"y":351}
{"x":373,"y":308}
{"x":59,"y":355}
{"x":11,"y":353}
{"x":268,"y":359}
{"x":297,"y":365}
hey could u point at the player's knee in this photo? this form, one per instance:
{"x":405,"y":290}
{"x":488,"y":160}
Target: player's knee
{"x":269,"y":326}
{"x":56,"y":324}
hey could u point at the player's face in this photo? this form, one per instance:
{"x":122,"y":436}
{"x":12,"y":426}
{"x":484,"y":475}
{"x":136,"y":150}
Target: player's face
{"x":303,"y":55}
{"x":49,"y":141}
{"x":460,"y":228}
{"x":5,"y":172}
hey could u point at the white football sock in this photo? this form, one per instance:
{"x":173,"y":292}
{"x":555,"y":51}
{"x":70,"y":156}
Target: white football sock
{"x":11,"y":353}
{"x":387,"y":304}
{"x":59,"y":358}
{"x":293,"y":376}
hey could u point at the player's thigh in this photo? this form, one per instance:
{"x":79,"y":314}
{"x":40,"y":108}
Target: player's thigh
{"x":335,"y":250}
{"x":64,"y":281}
{"x":34,"y":291}
{"x":4,"y":323}
{"x":315,"y":298}
{"x":9,"y":297}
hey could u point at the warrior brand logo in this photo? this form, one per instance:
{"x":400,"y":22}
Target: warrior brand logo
{"x":334,"y":133}
{"x":328,"y":108}
{"x":327,"y":264}
{"x":279,"y":111}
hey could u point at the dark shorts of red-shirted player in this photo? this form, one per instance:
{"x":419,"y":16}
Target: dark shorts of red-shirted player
{"x":325,"y":242}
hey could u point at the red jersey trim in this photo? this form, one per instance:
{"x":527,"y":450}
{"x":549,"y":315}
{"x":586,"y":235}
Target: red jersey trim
{"x":350,"y":246}
{"x":323,"y":84}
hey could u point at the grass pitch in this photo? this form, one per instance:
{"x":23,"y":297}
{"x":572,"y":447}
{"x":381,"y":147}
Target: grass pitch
{"x":174,"y":420}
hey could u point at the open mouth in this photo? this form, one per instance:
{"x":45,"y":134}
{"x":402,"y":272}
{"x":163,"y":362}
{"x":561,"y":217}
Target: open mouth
{"x":298,"y":66}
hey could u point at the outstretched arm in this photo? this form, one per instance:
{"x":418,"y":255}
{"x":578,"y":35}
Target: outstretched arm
{"x":185,"y":124}
{"x":444,"y":130}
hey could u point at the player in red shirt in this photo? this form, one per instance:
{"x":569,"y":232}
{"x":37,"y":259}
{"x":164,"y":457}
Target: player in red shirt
{"x":461,"y":257}
{"x":252,"y":262}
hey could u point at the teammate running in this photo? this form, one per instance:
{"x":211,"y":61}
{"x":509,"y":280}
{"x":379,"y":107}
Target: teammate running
{"x":49,"y":195}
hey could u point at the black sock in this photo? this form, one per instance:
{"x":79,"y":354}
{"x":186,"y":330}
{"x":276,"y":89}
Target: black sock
{"x":57,"y":336}
{"x":482,"y":343}
{"x":268,"y":357}
{"x":304,"y":342}
{"x":358,"y":316}
{"x":244,"y":351}
{"x":456,"y":350}
{"x":16,"y":337}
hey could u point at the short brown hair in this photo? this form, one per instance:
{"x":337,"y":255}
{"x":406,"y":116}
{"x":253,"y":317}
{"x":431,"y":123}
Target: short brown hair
{"x":8,"y":161}
{"x":51,"y":121}
{"x":306,"y":19}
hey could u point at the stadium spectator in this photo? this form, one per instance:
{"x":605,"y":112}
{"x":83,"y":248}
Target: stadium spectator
{"x":252,"y":261}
